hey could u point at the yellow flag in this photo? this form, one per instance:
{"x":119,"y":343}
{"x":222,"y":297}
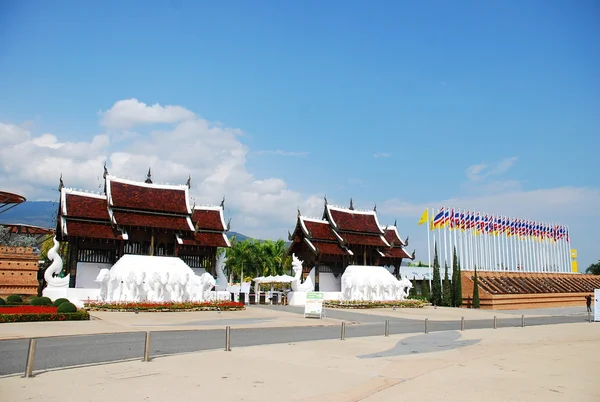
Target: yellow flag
{"x":424,"y":217}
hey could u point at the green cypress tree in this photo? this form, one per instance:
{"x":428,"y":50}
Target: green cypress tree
{"x":456,"y":281}
{"x":446,"y":289}
{"x":436,"y":285}
{"x":426,"y":291}
{"x":413,"y":291}
{"x":475,"y":290}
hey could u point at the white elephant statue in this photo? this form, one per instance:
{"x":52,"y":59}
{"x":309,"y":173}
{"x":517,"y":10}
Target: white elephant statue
{"x":102,"y":279}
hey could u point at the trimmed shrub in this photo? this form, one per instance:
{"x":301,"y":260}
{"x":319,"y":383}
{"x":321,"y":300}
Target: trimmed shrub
{"x":15,"y":299}
{"x":36,"y":301}
{"x":67,"y":307}
{"x":40,"y":301}
{"x":60,"y":301}
{"x":2,"y":302}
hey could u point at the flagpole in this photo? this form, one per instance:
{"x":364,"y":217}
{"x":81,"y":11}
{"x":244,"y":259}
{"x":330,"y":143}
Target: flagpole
{"x":429,"y":244}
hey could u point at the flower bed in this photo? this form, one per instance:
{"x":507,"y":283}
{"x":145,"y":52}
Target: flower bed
{"x":27,"y":309}
{"x":81,"y":315}
{"x":375,"y":304}
{"x":163,"y":306}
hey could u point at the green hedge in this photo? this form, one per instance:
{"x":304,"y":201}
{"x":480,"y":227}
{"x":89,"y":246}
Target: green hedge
{"x":375,"y":304}
{"x":2,"y":302}
{"x":40,"y":301}
{"x":60,"y":301}
{"x":67,"y":308}
{"x":80,"y":315}
{"x":14,"y":299}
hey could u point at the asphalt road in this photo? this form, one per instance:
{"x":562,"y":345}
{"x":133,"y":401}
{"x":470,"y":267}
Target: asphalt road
{"x":65,"y":351}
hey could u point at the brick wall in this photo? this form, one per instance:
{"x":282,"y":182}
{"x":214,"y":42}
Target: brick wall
{"x":18,"y":271}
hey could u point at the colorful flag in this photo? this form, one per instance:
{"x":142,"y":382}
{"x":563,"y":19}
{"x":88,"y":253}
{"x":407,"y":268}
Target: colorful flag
{"x":424,"y":217}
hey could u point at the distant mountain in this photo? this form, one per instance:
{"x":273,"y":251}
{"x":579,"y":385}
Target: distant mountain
{"x":43,"y":214}
{"x":36,"y":213}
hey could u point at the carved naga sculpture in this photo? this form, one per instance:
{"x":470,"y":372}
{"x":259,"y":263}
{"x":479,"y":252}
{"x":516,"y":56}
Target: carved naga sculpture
{"x":220,"y":268}
{"x":52,"y":272}
{"x":297,"y":285}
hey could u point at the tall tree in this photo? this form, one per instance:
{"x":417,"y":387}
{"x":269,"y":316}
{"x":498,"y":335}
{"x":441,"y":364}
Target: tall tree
{"x":446,"y":288}
{"x":593,"y":269}
{"x":436,"y":285}
{"x":456,"y":281}
{"x":425,"y":290}
{"x":413,"y":291}
{"x":476,"y":303}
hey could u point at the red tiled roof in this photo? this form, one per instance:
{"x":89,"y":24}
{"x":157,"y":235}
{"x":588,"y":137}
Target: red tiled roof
{"x":319,"y":230}
{"x":396,"y":252}
{"x":91,"y":230}
{"x":148,"y":197}
{"x":209,"y":239}
{"x":329,"y":248}
{"x":354,"y":221}
{"x":150,"y":220}
{"x":391,"y":235}
{"x":208,"y":219}
{"x":90,"y":207}
{"x":364,"y":240}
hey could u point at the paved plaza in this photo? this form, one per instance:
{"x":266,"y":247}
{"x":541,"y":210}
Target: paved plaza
{"x":542,"y":361}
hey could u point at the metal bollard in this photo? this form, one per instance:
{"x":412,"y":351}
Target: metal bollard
{"x":147,"y":347}
{"x":495,"y":322}
{"x":522,"y":320}
{"x":228,"y":339}
{"x":30,"y":358}
{"x":387,"y":327}
{"x":343,"y":334}
{"x":462,"y":323}
{"x":426,"y":325}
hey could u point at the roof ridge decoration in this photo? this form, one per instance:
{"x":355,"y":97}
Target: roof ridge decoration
{"x":149,"y":177}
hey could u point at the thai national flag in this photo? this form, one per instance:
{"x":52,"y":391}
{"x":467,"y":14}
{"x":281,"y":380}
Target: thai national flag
{"x":439,"y":218}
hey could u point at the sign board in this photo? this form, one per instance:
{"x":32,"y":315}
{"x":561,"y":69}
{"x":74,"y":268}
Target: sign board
{"x":314,"y":305}
{"x":573,"y":253}
{"x":596,"y":304}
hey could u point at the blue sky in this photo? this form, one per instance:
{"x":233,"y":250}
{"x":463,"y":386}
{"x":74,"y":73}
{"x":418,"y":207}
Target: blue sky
{"x":389,"y":102}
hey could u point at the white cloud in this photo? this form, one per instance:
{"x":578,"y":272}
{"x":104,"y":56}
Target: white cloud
{"x":484,"y":178}
{"x":382,"y":155}
{"x":211,"y":153}
{"x":130,"y":112}
{"x":282,"y":153}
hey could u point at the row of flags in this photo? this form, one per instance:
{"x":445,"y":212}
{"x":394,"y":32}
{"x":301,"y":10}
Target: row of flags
{"x":494,"y":225}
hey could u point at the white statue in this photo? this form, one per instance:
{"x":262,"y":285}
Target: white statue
{"x":297,"y":285}
{"x":55,"y":269}
{"x":137,"y":278}
{"x":372,"y":283}
{"x":220,"y":268}
{"x":102,"y":279}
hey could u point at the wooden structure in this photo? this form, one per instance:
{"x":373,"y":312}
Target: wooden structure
{"x":520,"y":290}
{"x":9,"y":201}
{"x":18,"y":271}
{"x":138,"y":218}
{"x":345,"y":236}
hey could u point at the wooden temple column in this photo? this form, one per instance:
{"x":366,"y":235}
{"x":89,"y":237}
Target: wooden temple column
{"x":72,"y":264}
{"x":317,"y":274}
{"x":151,"y":251}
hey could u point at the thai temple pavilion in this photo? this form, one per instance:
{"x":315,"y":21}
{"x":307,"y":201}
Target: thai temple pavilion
{"x":345,"y":236}
{"x":141,"y":218}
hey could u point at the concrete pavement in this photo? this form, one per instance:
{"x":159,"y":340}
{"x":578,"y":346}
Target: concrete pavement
{"x":550,"y":363}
